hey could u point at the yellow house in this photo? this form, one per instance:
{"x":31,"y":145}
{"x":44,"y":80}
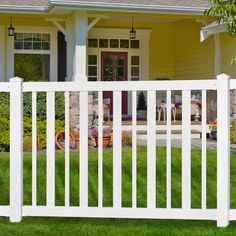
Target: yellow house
{"x":58,"y":40}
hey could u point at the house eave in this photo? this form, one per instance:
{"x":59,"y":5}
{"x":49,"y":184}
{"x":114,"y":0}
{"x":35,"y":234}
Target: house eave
{"x":211,"y":29}
{"x":95,"y":6}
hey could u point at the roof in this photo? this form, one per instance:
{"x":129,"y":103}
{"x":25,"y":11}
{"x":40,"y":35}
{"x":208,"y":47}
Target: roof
{"x":47,"y":5}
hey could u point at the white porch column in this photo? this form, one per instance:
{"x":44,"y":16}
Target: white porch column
{"x":81,"y":30}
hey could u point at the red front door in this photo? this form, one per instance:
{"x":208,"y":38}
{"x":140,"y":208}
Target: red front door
{"x":114,"y":68}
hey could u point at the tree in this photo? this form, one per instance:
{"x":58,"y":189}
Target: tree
{"x":225,"y":12}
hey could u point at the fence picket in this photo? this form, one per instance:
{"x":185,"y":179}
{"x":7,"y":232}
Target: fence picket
{"x":34,"y":148}
{"x":151,"y":149}
{"x":186,"y":149}
{"x":84,"y":149}
{"x":67,"y":149}
{"x":168,"y":151}
{"x":134,"y":149}
{"x":223,"y":150}
{"x":50,"y":149}
{"x":100,"y":149}
{"x":16,"y":150}
{"x":204,"y":164}
{"x":117,"y":147}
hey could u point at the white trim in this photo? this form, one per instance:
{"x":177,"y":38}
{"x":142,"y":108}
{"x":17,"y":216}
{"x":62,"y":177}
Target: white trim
{"x":53,"y":49}
{"x":143,"y":35}
{"x":211,"y":29}
{"x":2,"y":53}
{"x":106,"y":212}
{"x":117,"y":7}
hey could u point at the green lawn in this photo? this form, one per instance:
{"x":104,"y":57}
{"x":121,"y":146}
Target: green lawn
{"x":78,"y":226}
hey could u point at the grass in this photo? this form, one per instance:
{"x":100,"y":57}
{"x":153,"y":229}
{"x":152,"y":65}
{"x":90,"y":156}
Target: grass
{"x":78,"y":226}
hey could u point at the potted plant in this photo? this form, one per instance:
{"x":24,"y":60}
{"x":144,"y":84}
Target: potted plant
{"x":213,"y":130}
{"x":142,"y":106}
{"x":106,"y":135}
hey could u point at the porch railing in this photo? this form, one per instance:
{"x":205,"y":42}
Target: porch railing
{"x":16,"y":209}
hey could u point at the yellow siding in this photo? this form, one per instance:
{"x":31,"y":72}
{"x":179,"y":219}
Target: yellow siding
{"x":228,"y":51}
{"x":162,"y":51}
{"x":193,"y":60}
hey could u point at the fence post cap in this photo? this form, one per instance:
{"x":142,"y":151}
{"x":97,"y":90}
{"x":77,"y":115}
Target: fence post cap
{"x":16,"y":79}
{"x":223,"y":76}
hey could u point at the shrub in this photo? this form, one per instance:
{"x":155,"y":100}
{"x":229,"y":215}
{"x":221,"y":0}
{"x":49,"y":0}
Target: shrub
{"x":41,"y":122}
{"x":233,"y":132}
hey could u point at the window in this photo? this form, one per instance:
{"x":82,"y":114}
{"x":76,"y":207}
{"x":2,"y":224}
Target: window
{"x":113,"y":43}
{"x":93,"y":43}
{"x":103,"y":43}
{"x":32,"y":56}
{"x":32,"y":67}
{"x":92,"y":67}
{"x":30,"y":41}
{"x":135,"y":68}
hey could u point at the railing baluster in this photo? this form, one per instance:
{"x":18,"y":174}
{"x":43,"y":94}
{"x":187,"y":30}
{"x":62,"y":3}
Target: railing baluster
{"x":67,"y":149}
{"x":100,"y":149}
{"x":186,"y":149}
{"x":204,"y":164}
{"x":117,"y":148}
{"x":168,"y":151}
{"x":50,"y":148}
{"x":151,"y":149}
{"x":134,"y":149}
{"x":34,"y":148}
{"x":84,"y":149}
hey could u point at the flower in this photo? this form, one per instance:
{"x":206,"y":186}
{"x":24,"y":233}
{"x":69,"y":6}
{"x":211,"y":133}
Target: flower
{"x":106,"y":131}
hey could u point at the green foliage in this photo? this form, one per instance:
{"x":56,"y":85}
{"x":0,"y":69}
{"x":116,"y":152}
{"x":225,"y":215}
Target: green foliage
{"x":142,"y":105}
{"x":233,"y":132}
{"x":225,"y":12}
{"x":41,"y":105}
{"x":41,"y":120}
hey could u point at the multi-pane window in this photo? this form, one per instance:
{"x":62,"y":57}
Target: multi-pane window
{"x":113,"y":43}
{"x":92,"y":67}
{"x":135,"y":68}
{"x":32,"y":41}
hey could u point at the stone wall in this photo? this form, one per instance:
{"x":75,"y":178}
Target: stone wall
{"x":75,"y":110}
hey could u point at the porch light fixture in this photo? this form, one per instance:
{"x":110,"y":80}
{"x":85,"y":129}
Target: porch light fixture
{"x":132,"y":33}
{"x":11,"y":30}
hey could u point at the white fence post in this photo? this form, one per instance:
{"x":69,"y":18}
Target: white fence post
{"x":16,"y":150}
{"x":223,"y":150}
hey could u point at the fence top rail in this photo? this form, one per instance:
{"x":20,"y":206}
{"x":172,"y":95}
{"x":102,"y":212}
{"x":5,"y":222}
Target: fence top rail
{"x":120,"y":86}
{"x":5,"y":87}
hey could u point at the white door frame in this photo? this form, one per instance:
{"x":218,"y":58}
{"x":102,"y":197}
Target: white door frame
{"x":143,"y":35}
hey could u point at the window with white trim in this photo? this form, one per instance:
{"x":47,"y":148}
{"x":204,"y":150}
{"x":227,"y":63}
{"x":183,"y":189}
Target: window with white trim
{"x":92,"y":68}
{"x":135,"y":68}
{"x":32,"y":56}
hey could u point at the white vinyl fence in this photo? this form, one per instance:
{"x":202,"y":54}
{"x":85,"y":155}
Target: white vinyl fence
{"x":16,"y":210}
